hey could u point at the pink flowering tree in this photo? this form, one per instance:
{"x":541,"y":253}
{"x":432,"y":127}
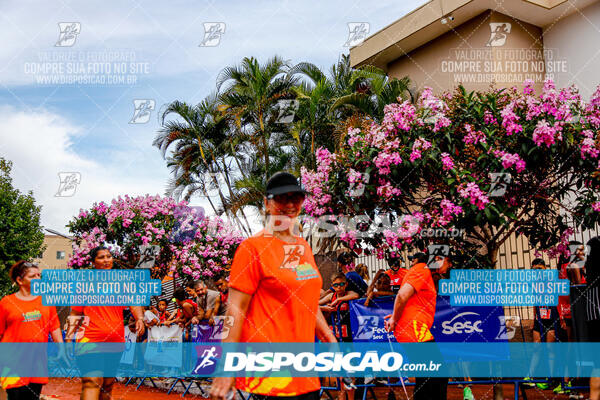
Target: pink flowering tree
{"x":188,"y":242}
{"x":492,"y":164}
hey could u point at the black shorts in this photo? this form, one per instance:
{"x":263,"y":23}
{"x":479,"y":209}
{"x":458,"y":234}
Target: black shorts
{"x":98,"y":364}
{"x":593,"y":328}
{"x":546,"y":319}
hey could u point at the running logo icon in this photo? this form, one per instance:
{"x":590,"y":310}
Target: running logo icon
{"x":357,"y":34}
{"x":212,"y":34}
{"x":207,"y":360}
{"x":507,"y":328}
{"x":292,"y":255}
{"x":500,"y":31}
{"x":68,"y":33}
{"x":80,"y":323}
{"x":367,"y":325}
{"x":437,"y":254}
{"x":287,"y":111}
{"x":142,"y":110}
{"x":68,"y":183}
{"x":148,"y":255}
{"x":499,"y":184}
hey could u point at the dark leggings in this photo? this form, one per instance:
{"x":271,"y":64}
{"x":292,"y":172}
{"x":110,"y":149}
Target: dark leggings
{"x":430,"y":388}
{"x":29,"y":392}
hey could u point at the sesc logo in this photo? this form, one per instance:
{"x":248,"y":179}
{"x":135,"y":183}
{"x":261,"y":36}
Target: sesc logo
{"x":459,"y":325}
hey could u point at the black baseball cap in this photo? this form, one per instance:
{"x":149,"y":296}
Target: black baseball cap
{"x":283,"y":182}
{"x":419,"y":256}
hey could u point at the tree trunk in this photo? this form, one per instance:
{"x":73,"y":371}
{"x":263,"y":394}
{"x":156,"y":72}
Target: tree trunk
{"x":246,"y":228}
{"x":493,"y":251}
{"x":265,"y":144}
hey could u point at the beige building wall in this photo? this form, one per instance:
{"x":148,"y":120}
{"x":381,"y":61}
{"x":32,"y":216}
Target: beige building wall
{"x":472,"y":55}
{"x":56,"y":247}
{"x":576,"y":39}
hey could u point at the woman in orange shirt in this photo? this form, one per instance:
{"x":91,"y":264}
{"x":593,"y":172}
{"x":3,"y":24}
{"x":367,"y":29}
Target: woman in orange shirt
{"x":23,"y":318}
{"x":274,"y":284}
{"x":105,"y":325}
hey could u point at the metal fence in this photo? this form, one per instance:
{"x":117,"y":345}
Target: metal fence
{"x":515,"y":253}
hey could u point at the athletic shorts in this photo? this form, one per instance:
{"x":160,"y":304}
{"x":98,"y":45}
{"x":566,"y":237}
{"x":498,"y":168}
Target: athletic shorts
{"x":546,"y":319}
{"x":98,"y":364}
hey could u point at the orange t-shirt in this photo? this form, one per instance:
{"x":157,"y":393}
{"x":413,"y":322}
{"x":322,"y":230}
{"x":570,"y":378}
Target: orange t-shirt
{"x":396,"y":278}
{"x":105,"y":325}
{"x":285,"y":284}
{"x":26,"y":321}
{"x":564,"y":302}
{"x":417,"y":317}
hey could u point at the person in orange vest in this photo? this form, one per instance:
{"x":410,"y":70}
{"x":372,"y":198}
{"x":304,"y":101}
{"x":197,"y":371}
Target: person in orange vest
{"x":412,"y":317}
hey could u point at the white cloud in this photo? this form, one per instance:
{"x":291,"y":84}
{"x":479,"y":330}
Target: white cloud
{"x":40,"y":144}
{"x":162,"y":34}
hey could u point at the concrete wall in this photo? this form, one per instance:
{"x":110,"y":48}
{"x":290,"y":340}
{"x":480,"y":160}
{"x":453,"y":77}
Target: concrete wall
{"x":53,"y":244}
{"x":576,"y":39}
{"x":467,"y":55}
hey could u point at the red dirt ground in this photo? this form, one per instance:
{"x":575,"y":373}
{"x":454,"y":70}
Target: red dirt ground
{"x":70,"y":389}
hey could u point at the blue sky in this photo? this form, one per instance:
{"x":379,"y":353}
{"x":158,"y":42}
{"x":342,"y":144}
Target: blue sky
{"x":52,"y":128}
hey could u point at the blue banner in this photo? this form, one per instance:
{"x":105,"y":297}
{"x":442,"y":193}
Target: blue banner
{"x":451,"y":324}
{"x":468,"y":324}
{"x":316,"y":359}
{"x":368,"y":322}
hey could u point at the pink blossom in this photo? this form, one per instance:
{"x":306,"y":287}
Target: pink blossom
{"x":508,"y":160}
{"x":473,"y":137}
{"x":354,"y":136}
{"x":528,"y":87}
{"x":489,"y":119}
{"x":562,"y":248}
{"x":398,"y":117}
{"x":588,"y":145}
{"x":509,"y":119}
{"x":449,"y":210}
{"x":420,"y":144}
{"x":434,"y":110}
{"x":472,"y":192}
{"x":546,"y":134}
{"x":596,"y":206}
{"x":387,"y":191}
{"x":447,"y":162}
{"x":384,"y":159}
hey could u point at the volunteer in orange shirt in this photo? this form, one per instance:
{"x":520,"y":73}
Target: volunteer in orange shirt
{"x":412,"y":318}
{"x":395,"y":273}
{"x":274,"y":290}
{"x":24,"y":319}
{"x":105,"y":325}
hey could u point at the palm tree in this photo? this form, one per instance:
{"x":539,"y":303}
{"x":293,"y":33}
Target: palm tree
{"x":325,"y":100}
{"x":237,"y":133}
{"x":249,"y":98}
{"x":199,"y":137}
{"x":372,"y":90}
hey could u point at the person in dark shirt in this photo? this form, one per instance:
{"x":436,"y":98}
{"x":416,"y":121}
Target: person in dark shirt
{"x":355,"y":282}
{"x":592,"y":296}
